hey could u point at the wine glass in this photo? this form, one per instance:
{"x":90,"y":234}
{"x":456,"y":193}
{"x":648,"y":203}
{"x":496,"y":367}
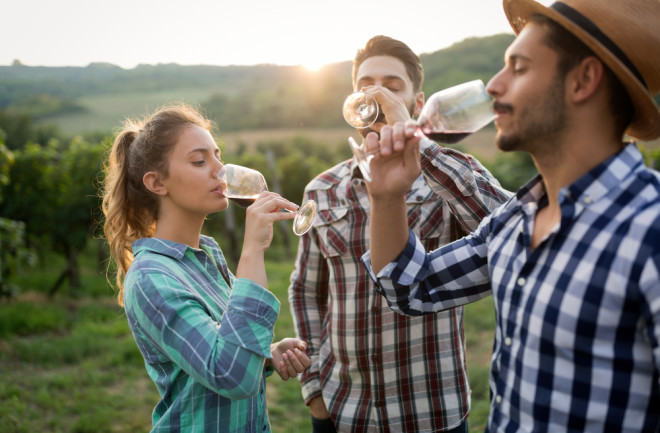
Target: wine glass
{"x":243,"y":185}
{"x":448,"y":116}
{"x":360,"y":110}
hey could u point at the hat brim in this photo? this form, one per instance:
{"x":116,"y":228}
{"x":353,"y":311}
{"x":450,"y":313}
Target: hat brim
{"x":646,"y":121}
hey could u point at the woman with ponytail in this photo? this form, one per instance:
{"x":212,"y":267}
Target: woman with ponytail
{"x":205,"y":333}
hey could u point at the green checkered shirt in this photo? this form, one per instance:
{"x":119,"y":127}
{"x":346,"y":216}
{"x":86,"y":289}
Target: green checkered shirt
{"x":204,"y":336}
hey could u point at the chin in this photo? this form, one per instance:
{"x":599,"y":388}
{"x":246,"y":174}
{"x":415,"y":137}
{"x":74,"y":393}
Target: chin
{"x":506,"y":143}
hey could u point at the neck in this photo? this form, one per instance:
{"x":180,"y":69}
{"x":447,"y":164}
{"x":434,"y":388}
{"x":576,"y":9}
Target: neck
{"x":573,"y":155}
{"x":177,"y":226}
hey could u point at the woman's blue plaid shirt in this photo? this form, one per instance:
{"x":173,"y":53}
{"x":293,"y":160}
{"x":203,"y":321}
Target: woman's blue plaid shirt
{"x":204,"y":336}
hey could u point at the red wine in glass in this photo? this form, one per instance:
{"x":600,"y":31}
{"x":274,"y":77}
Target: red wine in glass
{"x":243,"y":201}
{"x":243,"y":185}
{"x":447,"y":136}
{"x":448,"y":116}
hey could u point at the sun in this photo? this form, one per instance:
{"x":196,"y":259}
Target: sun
{"x":313,"y":66}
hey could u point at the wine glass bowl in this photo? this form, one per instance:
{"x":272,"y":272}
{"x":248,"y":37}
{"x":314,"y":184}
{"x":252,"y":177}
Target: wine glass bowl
{"x":360,"y":110}
{"x":448,"y":116}
{"x":242,"y":185}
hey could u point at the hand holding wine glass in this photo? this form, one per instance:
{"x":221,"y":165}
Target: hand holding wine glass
{"x":243,"y":185}
{"x":448,"y":116}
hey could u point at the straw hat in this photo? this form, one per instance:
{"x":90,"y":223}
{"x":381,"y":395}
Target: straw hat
{"x":624,"y":34}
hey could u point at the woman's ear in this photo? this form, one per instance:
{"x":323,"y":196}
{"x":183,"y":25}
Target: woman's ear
{"x":152,"y":182}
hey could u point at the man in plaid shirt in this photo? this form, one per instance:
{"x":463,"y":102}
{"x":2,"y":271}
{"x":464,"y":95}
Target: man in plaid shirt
{"x":573,"y":260}
{"x":372,"y":369}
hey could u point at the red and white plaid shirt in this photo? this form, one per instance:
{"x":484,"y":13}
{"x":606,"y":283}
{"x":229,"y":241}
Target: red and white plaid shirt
{"x":379,"y":371}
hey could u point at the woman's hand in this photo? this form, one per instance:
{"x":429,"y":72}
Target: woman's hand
{"x":259,"y":220}
{"x":261,"y":215}
{"x":289,"y":357}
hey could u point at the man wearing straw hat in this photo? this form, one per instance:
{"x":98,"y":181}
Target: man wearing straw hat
{"x":573,"y":259}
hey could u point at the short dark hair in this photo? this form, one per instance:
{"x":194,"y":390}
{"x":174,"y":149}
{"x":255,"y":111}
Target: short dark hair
{"x":572,"y":51}
{"x":385,"y":46}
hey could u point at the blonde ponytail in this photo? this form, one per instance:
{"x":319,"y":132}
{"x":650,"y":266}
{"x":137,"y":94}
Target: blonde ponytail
{"x":130,"y":209}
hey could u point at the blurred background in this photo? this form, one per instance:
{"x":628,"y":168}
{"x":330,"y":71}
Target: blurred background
{"x":67,"y":360}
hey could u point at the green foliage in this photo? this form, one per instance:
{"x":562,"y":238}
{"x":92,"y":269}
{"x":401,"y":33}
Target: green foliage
{"x":44,"y":105}
{"x":52,"y":192}
{"x":651,"y":157}
{"x":471,"y":59}
{"x":6,"y":161}
{"x":512,"y":169}
{"x":20,"y":129}
{"x":15,"y":257}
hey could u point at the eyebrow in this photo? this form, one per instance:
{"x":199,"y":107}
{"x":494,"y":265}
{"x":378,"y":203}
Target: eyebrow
{"x":513,"y":57}
{"x":386,"y":78}
{"x":203,"y":150}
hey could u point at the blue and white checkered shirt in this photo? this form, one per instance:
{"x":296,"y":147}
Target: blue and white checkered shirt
{"x":578,"y":318}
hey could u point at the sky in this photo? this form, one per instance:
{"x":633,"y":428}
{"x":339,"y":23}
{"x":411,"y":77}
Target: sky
{"x":231,"y":32}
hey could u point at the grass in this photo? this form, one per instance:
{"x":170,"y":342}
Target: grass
{"x":72,"y":365}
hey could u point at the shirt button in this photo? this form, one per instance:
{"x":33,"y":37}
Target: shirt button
{"x":521,"y":281}
{"x":507,"y":341}
{"x":587,"y":199}
{"x":498,"y":399}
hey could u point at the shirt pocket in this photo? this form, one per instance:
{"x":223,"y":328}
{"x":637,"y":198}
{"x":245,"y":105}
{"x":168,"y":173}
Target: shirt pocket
{"x":428,"y":216}
{"x":332,"y":227}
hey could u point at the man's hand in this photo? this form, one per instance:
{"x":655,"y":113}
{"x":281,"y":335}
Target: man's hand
{"x":392,"y":107}
{"x":393,"y":172}
{"x":396,"y":163}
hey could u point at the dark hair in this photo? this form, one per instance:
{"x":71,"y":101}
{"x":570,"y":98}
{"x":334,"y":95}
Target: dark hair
{"x":386,"y":46}
{"x":130,"y":209}
{"x":572,"y":51}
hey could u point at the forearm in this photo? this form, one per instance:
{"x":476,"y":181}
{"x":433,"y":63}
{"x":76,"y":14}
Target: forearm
{"x":252,"y":266}
{"x":389,"y":230}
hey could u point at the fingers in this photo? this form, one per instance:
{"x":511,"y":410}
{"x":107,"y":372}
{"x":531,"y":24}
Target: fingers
{"x":393,"y":138}
{"x":393,"y":107}
{"x":272,"y":204}
{"x":293,"y":359}
{"x":293,"y":362}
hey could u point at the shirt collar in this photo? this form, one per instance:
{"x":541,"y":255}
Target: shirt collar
{"x":605,"y":177}
{"x":593,"y":185}
{"x":167,"y":248}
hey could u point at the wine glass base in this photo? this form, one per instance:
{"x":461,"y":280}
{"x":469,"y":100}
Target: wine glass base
{"x":305,"y":216}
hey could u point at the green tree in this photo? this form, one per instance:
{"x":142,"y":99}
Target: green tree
{"x":53,"y":193}
{"x":14,"y":255}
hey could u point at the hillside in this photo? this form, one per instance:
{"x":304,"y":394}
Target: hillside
{"x":97,"y":97}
